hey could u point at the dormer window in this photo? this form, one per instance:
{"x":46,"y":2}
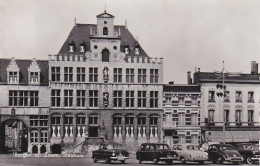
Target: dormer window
{"x":13,"y":77}
{"x":137,"y":51}
{"x":105,"y":31}
{"x":34,"y":77}
{"x":82,"y":48}
{"x":71,"y":48}
{"x":126,"y":50}
{"x":13,"y":72}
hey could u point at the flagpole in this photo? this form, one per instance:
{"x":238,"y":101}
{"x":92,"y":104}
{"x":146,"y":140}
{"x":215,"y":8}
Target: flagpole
{"x":223,"y":108}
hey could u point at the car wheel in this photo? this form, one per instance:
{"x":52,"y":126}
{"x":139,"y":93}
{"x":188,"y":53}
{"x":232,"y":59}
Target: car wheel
{"x":123,"y":161}
{"x":169,"y":162}
{"x":140,"y":160}
{"x":220,"y":160}
{"x":183,"y":161}
{"x":94,"y":160}
{"x":249,"y":160}
{"x":108,"y":161}
{"x":155,"y":161}
{"x":201,"y":163}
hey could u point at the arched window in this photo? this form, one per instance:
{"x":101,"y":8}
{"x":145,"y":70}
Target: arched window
{"x":105,"y":55}
{"x":34,"y":149}
{"x":43,"y":149}
{"x":105,"y":31}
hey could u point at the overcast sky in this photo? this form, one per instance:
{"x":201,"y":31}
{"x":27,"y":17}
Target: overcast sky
{"x":186,"y":33}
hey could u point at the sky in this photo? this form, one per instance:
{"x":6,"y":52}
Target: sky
{"x":186,"y":33}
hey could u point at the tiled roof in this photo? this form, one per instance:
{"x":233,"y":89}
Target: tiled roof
{"x":24,"y":65}
{"x":181,"y":88}
{"x":82,"y":31}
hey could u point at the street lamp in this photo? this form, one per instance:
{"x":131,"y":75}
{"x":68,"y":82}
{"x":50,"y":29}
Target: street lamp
{"x":222,"y":93}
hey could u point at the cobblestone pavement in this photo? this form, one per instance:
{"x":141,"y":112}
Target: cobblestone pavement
{"x":12,"y":160}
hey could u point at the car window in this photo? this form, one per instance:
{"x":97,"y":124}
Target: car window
{"x":179,"y":147}
{"x":213,"y":148}
{"x":226,"y":147}
{"x":174,"y":147}
{"x":251,"y":147}
{"x":152,"y":147}
{"x":143,"y":147}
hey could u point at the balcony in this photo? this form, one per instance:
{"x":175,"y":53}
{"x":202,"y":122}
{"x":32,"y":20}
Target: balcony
{"x":169,"y":125}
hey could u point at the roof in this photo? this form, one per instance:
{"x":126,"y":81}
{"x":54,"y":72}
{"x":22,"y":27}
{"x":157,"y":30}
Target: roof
{"x":24,"y":65}
{"x":211,"y":77}
{"x":181,"y":88}
{"x":82,"y":31}
{"x":105,"y":15}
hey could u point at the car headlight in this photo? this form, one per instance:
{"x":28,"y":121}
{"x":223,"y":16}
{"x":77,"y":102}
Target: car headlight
{"x":113,"y":154}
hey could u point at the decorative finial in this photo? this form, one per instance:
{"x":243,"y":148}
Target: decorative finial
{"x":75,"y":21}
{"x":105,"y":8}
{"x":119,"y":33}
{"x":137,"y":38}
{"x":125,"y":23}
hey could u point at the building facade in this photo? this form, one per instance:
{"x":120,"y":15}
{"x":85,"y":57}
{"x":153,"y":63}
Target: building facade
{"x":101,"y":86}
{"x":181,"y":121}
{"x":239,"y":110}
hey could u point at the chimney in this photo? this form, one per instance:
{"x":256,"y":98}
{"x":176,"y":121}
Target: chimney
{"x":254,"y":67}
{"x":171,"y":82}
{"x":189,"y":80}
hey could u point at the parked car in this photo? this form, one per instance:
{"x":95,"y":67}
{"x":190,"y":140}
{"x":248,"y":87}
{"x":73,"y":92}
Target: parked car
{"x":110,"y":152}
{"x":190,"y":152}
{"x":219,"y":153}
{"x":156,"y":152}
{"x":249,"y":151}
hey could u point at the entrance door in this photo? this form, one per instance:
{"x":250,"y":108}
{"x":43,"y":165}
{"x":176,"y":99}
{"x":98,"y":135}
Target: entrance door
{"x":13,"y":137}
{"x":93,"y":131}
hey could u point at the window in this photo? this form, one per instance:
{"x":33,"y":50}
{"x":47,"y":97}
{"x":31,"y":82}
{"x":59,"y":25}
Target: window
{"x":226,"y":116}
{"x":117,"y":98}
{"x":117,"y":120}
{"x":80,"y":74}
{"x":34,"y":77}
{"x":105,"y":55}
{"x":168,"y":98}
{"x":13,"y":77}
{"x":129,"y":120}
{"x":226,"y":96}
{"x":153,"y":121}
{"x":105,"y":31}
{"x":68,"y":74}
{"x":194,"y":119}
{"x":238,"y":96}
{"x":130,"y":75}
{"x":130,"y":99}
{"x":55,"y":73}
{"x":153,"y":99}
{"x":55,"y":98}
{"x":23,"y":98}
{"x":44,"y":136}
{"x":211,"y":96}
{"x":181,"y":119}
{"x":34,"y":98}
{"x":93,"y":74}
{"x":211,"y":115}
{"x":81,"y":98}
{"x":93,"y":98}
{"x":117,"y":74}
{"x":250,"y":97}
{"x":55,"y":120}
{"x":141,"y":98}
{"x":141,"y":120}
{"x":250,"y":117}
{"x":34,"y":136}
{"x":93,"y":120}
{"x":68,"y":98}
{"x":38,"y":121}
{"x":154,"y":75}
{"x":238,"y":116}
{"x":141,"y":75}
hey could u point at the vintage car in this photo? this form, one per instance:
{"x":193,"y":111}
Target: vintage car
{"x":219,"y":153}
{"x":156,"y":152}
{"x":250,"y":152}
{"x":110,"y":152}
{"x":189,"y":152}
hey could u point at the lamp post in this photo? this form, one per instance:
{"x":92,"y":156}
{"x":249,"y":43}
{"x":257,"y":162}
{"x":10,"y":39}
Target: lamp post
{"x":222,"y":93}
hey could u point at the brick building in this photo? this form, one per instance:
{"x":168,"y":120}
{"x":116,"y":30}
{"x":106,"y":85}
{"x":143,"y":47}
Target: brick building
{"x":181,"y":121}
{"x":101,"y":86}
